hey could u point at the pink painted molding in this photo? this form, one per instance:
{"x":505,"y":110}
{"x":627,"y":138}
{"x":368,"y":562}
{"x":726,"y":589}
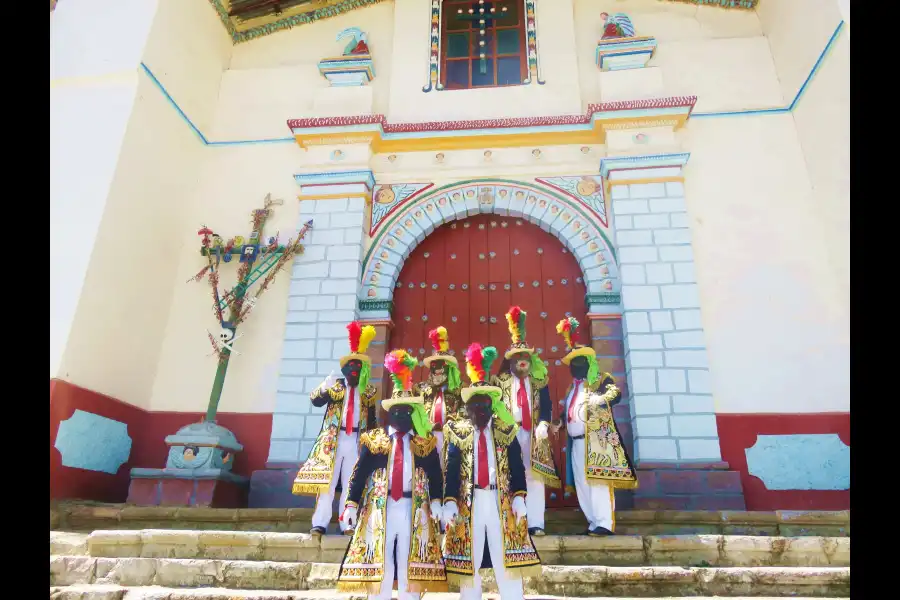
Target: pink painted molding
{"x":593,"y":109}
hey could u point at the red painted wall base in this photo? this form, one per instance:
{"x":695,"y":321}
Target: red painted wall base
{"x":148,"y":431}
{"x":737,"y":432}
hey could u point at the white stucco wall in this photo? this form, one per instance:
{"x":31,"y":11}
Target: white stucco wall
{"x":767,"y":195}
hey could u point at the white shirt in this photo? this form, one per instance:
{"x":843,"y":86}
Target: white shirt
{"x":439,"y":391}
{"x":514,"y":399}
{"x":355,"y":423}
{"x":407,"y":461}
{"x":491,"y":457}
{"x":575,"y":427}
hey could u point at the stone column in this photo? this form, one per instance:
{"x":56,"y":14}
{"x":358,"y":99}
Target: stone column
{"x":676,"y":440}
{"x":322,"y":301}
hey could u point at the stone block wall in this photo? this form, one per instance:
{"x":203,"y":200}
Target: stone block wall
{"x":322,"y":300}
{"x":665,"y":352}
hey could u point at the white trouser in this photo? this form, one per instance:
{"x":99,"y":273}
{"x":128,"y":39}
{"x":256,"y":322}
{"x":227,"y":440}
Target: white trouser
{"x":534,"y":501}
{"x":596,"y":500}
{"x":399,"y":517}
{"x":343,"y":468}
{"x":486,"y":522}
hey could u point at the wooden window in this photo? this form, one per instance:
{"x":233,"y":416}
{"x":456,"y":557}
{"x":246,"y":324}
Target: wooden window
{"x":483,"y":49}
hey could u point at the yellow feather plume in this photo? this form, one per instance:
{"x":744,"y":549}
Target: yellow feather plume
{"x":443,"y":344}
{"x":365,"y":338}
{"x":472,"y":372}
{"x":513,"y":328}
{"x":562,"y":330}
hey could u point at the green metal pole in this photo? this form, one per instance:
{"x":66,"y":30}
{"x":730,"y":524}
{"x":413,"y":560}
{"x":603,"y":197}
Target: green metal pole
{"x":218,"y":383}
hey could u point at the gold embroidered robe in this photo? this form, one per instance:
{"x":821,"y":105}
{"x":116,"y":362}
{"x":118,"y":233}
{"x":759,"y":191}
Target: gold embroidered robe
{"x":315,"y":474}
{"x":363,"y":566}
{"x":543,"y":465}
{"x":520,"y":558}
{"x":606,"y":460}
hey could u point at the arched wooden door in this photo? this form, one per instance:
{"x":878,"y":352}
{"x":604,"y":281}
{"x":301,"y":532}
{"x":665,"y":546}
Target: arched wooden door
{"x":468,"y":273}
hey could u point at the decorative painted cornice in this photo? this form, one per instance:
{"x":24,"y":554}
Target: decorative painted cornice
{"x":613,"y":168}
{"x":740,"y":4}
{"x":589,"y":128}
{"x":262,"y":26}
{"x":336,"y":184}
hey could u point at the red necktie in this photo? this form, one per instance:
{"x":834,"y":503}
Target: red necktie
{"x":572,"y":402}
{"x":397,"y":472}
{"x":524,"y":406}
{"x":349,"y":425}
{"x":438,"y":409}
{"x":484,"y":478}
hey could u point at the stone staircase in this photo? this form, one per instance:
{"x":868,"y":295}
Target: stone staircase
{"x":255,"y":554}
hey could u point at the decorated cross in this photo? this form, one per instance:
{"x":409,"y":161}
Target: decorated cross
{"x":484,"y":13}
{"x":232,"y":307}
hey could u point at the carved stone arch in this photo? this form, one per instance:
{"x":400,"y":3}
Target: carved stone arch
{"x":563,"y":216}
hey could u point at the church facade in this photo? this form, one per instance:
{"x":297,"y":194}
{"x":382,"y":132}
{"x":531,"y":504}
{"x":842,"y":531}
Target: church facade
{"x":673,"y":174}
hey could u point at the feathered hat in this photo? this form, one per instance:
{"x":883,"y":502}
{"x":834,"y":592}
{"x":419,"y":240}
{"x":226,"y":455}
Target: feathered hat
{"x":400,"y":365}
{"x":568,"y":329}
{"x":478,"y":368}
{"x":515,"y":317}
{"x":360,"y":338}
{"x":441,"y":351}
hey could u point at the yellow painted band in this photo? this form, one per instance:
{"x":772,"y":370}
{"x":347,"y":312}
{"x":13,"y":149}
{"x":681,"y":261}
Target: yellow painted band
{"x":595,"y":135}
{"x":365,"y":195}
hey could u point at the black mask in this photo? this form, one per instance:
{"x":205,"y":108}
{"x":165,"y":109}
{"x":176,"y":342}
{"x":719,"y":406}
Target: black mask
{"x":351,"y":372}
{"x":479,"y":411}
{"x":400,"y":418}
{"x":579,"y":367}
{"x":437,"y":371}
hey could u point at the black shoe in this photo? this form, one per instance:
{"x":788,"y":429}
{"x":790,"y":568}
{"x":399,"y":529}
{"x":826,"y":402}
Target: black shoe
{"x":536,"y":531}
{"x":317,"y":531}
{"x":599,"y":532}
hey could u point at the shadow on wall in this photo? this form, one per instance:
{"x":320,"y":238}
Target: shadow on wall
{"x":91,"y":434}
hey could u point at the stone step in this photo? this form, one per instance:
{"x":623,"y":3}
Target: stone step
{"x":88,"y":516}
{"x":617,"y":550}
{"x":571,"y":581}
{"x":116,"y":592}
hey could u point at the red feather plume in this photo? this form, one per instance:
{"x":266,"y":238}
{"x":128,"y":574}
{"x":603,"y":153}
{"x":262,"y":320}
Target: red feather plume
{"x":355,"y":330}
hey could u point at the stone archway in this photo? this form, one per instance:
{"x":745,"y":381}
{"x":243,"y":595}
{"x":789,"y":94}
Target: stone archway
{"x":570,"y":221}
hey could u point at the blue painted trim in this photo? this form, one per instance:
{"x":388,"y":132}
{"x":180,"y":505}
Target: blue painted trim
{"x":800,"y":92}
{"x":735,"y":113}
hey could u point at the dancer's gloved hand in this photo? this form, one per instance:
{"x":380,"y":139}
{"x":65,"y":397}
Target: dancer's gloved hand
{"x":542,"y":431}
{"x":348,"y":517}
{"x":329,"y":381}
{"x":436,"y":510}
{"x":448,"y":513}
{"x":518,"y":507}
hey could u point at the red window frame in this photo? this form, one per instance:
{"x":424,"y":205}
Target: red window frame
{"x":448,"y":8}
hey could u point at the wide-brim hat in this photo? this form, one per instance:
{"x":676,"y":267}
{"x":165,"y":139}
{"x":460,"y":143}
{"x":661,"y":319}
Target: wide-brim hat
{"x":479,"y":390}
{"x":355,"y":356}
{"x":579,"y":350}
{"x":399,"y":399}
{"x":517,"y":348}
{"x":444,"y":356}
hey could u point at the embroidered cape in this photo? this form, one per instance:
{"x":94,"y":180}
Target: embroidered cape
{"x":520,"y":558}
{"x":606,"y":459}
{"x":543,"y":465}
{"x":362,"y":569}
{"x":314,"y":476}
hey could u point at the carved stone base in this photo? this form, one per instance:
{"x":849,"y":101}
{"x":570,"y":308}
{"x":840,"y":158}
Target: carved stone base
{"x":212,"y":488}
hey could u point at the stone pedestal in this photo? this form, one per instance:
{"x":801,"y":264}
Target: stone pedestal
{"x":197,"y":472}
{"x":348,"y":71}
{"x":624,"y":53}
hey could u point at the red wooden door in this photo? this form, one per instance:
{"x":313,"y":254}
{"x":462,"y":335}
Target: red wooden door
{"x":468,"y":273}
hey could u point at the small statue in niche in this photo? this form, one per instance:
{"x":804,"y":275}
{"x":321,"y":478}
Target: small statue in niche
{"x":616,"y":26}
{"x":358,"y":44}
{"x":190,"y":453}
